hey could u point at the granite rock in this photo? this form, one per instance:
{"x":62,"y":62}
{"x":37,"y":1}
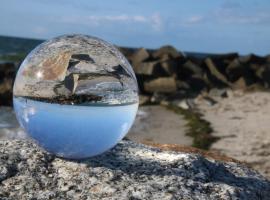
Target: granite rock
{"x":146,"y":68}
{"x":162,"y":84}
{"x":215,"y":72}
{"x":128,"y":171}
{"x":167,"y":49}
{"x":140,"y":55}
{"x":7,"y":74}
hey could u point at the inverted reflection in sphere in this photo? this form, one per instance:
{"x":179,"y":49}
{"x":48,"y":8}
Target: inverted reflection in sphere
{"x":76,"y":96}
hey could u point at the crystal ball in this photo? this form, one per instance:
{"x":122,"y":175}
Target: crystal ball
{"x":76,"y":96}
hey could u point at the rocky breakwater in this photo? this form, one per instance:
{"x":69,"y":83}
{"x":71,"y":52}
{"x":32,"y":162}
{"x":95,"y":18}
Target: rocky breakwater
{"x":128,"y":171}
{"x":7,"y":75}
{"x":168,"y":74}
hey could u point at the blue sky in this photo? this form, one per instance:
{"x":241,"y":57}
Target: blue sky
{"x":214,"y":26}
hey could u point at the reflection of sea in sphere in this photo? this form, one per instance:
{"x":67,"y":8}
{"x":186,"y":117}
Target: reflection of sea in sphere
{"x":76,"y":96}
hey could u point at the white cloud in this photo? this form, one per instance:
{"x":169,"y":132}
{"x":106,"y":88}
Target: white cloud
{"x":194,"y":19}
{"x":225,"y":15}
{"x":154,"y":20}
{"x":191,"y":20}
{"x":237,"y":17}
{"x":140,"y":18}
{"x":40,"y":30}
{"x":112,"y":18}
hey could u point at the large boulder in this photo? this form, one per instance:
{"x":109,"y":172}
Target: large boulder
{"x":252,"y":58}
{"x":7,"y":75}
{"x":216,"y":73}
{"x":167,"y":50}
{"x":192,"y":68}
{"x":150,"y":68}
{"x":197,"y":83}
{"x":241,"y":83}
{"x":169,"y":66}
{"x":146,"y":68}
{"x":128,"y":171}
{"x":264,"y":74}
{"x":268,"y":58}
{"x":226,"y":57}
{"x":236,"y":69}
{"x":164,"y":85}
{"x":139,"y":56}
{"x":239,"y":71}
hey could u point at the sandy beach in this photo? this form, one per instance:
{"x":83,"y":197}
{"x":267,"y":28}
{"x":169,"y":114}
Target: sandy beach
{"x":241,"y":121}
{"x":157,"y":124}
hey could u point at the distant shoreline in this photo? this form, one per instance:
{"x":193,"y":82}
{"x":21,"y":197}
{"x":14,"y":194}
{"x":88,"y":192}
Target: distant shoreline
{"x":20,"y":45}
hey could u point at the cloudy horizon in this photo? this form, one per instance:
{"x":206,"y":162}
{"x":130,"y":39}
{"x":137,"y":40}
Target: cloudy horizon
{"x":218,"y":26}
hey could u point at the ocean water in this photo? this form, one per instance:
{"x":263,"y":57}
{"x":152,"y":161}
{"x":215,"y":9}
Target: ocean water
{"x":74,"y":131}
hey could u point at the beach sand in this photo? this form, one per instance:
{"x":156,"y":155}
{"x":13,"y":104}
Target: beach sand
{"x":157,"y":124}
{"x":242,"y":121}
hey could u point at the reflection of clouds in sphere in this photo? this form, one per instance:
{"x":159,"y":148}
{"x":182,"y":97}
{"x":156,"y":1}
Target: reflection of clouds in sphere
{"x":27,"y":112}
{"x":76,"y":95}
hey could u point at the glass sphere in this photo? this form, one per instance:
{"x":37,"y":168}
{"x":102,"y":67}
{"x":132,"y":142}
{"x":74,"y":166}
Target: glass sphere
{"x":76,"y":96}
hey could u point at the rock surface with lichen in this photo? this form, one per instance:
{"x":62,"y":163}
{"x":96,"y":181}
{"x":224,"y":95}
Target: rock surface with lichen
{"x":128,"y":171}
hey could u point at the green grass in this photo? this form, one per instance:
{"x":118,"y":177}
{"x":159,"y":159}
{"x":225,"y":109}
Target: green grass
{"x":199,"y":129}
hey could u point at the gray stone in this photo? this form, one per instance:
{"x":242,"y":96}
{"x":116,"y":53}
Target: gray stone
{"x":192,"y":68}
{"x":169,"y":50}
{"x":128,"y":171}
{"x":264,"y":74}
{"x":241,"y":83}
{"x":215,"y":92}
{"x":252,"y":58}
{"x":237,"y":71}
{"x":146,"y":68}
{"x":215,"y":72}
{"x":268,"y":58}
{"x":140,"y":55}
{"x":182,"y":84}
{"x":157,"y":98}
{"x":165,"y":85}
{"x":209,"y":101}
{"x":227,"y":56}
{"x":71,"y":82}
{"x":169,"y":65}
{"x":185,"y":104}
{"x":197,"y":83}
{"x":144,"y":99}
{"x":7,"y":74}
